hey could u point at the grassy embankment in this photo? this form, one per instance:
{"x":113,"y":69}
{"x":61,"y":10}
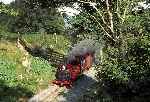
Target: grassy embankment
{"x":15,"y":82}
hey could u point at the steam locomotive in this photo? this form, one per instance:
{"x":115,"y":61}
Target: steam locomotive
{"x":80,"y":59}
{"x":68,"y":73}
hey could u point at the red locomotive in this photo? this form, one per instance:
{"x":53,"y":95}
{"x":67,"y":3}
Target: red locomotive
{"x":67,"y":74}
{"x":80,"y":59}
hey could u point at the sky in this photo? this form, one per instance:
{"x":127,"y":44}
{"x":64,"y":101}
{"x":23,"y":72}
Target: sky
{"x":6,"y":1}
{"x":70,"y":11}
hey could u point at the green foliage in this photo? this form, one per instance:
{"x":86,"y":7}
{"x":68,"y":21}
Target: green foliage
{"x":7,"y":16}
{"x":124,"y":72}
{"x":7,"y":71}
{"x":4,"y":34}
{"x":14,"y":76}
{"x":130,"y":64}
{"x":84,"y":26}
{"x":59,"y":43}
{"x":125,"y":68}
{"x":34,"y":17}
{"x":5,"y":9}
{"x":83,"y":23}
{"x":41,"y":67}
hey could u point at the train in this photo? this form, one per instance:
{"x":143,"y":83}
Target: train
{"x":79,"y":60}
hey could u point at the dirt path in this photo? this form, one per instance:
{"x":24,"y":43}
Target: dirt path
{"x":57,"y":94}
{"x":50,"y":93}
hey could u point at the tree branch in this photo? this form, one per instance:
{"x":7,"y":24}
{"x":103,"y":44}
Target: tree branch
{"x":106,"y":33}
{"x":110,"y":16}
{"x":93,"y":5}
{"x":125,"y":11}
{"x":117,"y":11}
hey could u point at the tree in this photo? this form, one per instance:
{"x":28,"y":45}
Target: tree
{"x":37,"y":16}
{"x":7,"y":16}
{"x":125,"y":66}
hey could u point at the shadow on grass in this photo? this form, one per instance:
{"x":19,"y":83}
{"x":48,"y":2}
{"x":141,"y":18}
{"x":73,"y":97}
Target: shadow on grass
{"x":13,"y":94}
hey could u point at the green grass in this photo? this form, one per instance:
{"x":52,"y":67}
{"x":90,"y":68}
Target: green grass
{"x":15,"y":81}
{"x":59,"y":43}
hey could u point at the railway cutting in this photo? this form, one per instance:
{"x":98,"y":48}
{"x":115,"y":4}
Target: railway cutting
{"x":74,"y":74}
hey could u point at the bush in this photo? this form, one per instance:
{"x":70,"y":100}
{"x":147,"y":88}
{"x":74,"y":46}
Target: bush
{"x":126,"y":72}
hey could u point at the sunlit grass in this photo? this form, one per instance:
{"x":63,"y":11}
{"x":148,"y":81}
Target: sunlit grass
{"x":14,"y":74}
{"x":15,"y":81}
{"x":59,"y":43}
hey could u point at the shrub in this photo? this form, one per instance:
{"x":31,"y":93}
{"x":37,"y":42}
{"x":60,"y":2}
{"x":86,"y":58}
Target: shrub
{"x":126,"y":72}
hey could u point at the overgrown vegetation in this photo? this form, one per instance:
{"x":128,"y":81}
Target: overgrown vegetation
{"x":59,"y":43}
{"x":14,"y":74}
{"x":124,"y":72}
{"x":121,"y":26}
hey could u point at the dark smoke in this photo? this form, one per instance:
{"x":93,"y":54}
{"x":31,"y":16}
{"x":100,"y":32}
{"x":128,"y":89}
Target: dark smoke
{"x":83,"y":47}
